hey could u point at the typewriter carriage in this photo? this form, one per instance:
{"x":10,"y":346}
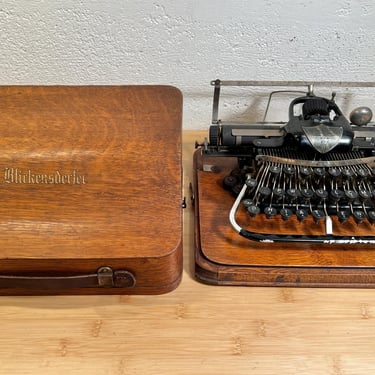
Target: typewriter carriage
{"x":315,"y":113}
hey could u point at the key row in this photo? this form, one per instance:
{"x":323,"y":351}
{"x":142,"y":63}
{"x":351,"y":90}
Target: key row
{"x":318,"y":214}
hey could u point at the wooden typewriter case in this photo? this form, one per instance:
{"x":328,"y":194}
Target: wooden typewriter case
{"x":90,"y":190}
{"x":223,"y":257}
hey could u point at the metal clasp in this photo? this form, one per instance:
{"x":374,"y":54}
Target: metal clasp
{"x":107,"y":278}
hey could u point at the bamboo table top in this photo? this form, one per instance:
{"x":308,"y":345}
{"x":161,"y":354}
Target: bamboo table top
{"x":196,"y":329}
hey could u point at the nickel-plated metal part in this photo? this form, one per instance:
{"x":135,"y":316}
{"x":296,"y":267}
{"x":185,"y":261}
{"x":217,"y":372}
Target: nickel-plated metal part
{"x":293,"y":83}
{"x":322,"y":137}
{"x":361,"y":116}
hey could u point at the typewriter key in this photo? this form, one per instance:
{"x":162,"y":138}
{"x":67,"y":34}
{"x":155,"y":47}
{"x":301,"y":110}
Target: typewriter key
{"x":247,"y":202}
{"x":334,"y":172}
{"x":289,"y":170}
{"x":306,"y":171}
{"x":278,"y":193}
{"x":319,"y":172}
{"x":364,"y":194}
{"x":302,"y":214}
{"x":270,"y":212}
{"x":286,"y":213}
{"x":265,"y":191}
{"x":275,"y":170}
{"x":251,"y":183}
{"x":371,"y":216}
{"x":351,"y":195}
{"x":347,"y":173}
{"x":359,"y":216}
{"x":293,"y":194}
{"x":317,"y":215}
{"x":343,"y":215}
{"x":307,"y":194}
{"x":362,"y":173}
{"x":321,"y":193}
{"x":253,"y":210}
{"x":336,"y":195}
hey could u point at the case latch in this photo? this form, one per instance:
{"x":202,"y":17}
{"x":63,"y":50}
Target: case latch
{"x":107,"y":278}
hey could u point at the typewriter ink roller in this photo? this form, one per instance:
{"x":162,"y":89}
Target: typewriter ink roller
{"x":318,"y":167}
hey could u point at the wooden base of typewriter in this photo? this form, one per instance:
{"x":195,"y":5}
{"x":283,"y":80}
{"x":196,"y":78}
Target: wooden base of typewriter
{"x":90,"y":190}
{"x":223,"y":257}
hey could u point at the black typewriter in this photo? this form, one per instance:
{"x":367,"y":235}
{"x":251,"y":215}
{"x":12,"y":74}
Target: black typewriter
{"x":317,"y":166}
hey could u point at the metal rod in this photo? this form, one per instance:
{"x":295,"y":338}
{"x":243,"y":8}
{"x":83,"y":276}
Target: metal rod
{"x":293,"y":83}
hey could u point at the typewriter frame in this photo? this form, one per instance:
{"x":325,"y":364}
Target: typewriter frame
{"x":222,"y":257}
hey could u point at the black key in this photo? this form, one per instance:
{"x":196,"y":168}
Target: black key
{"x":289,"y":170}
{"x":364,"y":194}
{"x":253,"y":210}
{"x":347,"y":173}
{"x":278,"y":193}
{"x":275,"y":170}
{"x":351,"y":195}
{"x":293,"y":194}
{"x":320,"y":172}
{"x":251,"y":183}
{"x":343,"y":215}
{"x":286,"y":213}
{"x":317,"y":215}
{"x":307,"y":194}
{"x":371,"y":216}
{"x":305,"y":171}
{"x":270,"y":212}
{"x":334,"y":172}
{"x":359,"y":216}
{"x":302,"y":214}
{"x":362,"y":173}
{"x":336,"y":195}
{"x":247,"y":203}
{"x":321,"y":193}
{"x":265,"y":191}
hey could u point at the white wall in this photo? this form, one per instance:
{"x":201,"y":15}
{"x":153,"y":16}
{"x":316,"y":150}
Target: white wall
{"x":185,"y":43}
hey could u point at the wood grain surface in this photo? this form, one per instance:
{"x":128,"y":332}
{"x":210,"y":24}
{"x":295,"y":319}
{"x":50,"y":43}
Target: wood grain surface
{"x":225,"y":257}
{"x":91,"y":177}
{"x":196,"y":329}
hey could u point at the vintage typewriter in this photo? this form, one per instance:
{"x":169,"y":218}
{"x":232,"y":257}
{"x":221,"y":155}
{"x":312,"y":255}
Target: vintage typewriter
{"x":300,"y":193}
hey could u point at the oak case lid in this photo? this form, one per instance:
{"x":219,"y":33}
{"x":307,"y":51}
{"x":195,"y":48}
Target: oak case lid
{"x":90,"y":170}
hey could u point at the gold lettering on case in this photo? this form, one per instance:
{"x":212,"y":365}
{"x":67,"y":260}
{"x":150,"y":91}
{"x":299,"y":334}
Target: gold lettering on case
{"x":19,"y":176}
